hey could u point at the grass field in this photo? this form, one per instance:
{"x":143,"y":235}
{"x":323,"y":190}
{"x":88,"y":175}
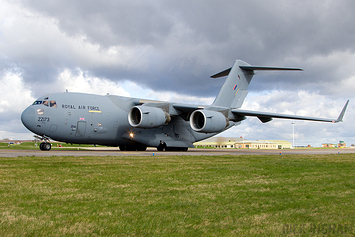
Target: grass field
{"x":309,"y":195}
{"x":32,"y":146}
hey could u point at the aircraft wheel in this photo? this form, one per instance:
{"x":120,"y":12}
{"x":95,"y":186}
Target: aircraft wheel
{"x":45,"y":146}
{"x":176,"y":148}
{"x":48,"y":146}
{"x":132,"y":148}
{"x":162,"y":146}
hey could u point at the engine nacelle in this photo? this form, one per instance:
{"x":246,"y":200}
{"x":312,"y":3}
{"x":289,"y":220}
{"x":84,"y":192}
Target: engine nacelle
{"x":147,"y":117}
{"x":208,"y":121}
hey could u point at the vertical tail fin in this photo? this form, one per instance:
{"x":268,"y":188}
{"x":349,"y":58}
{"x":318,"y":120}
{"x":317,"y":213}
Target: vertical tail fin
{"x":234,"y":89}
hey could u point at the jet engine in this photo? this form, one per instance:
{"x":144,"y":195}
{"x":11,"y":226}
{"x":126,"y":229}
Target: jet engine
{"x":208,"y":121}
{"x":147,"y":117}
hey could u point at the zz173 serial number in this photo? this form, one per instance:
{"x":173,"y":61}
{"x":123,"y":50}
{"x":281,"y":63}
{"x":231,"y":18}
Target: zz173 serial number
{"x":43,"y":119}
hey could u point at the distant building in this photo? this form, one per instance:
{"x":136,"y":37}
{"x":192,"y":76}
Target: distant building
{"x":240,"y":143}
{"x":281,"y":144}
{"x":341,"y":144}
{"x":9,"y":141}
{"x":256,"y":145}
{"x":218,"y":142}
{"x":329,"y":145}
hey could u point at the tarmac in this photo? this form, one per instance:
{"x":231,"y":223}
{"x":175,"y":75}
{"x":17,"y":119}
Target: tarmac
{"x":113,"y":151}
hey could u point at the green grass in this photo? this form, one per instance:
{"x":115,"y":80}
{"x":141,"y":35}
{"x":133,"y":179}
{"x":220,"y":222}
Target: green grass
{"x":178,"y":196}
{"x":32,"y":146}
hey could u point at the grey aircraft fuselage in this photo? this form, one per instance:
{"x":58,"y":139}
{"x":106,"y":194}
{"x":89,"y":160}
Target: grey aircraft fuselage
{"x":103,"y":120}
{"x":135,"y":124}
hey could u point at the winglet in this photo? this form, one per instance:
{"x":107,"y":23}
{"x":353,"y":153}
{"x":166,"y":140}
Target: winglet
{"x":341,"y":115}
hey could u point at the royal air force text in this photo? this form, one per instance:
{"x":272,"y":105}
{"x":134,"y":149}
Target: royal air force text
{"x":88,"y":107}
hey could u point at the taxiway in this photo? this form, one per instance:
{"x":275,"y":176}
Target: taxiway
{"x":112,"y":151}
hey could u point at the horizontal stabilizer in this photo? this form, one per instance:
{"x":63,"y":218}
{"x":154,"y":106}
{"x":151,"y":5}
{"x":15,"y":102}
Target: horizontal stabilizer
{"x":252,"y":68}
{"x":222,"y":74}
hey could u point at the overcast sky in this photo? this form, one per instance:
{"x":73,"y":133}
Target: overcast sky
{"x":168,"y":49}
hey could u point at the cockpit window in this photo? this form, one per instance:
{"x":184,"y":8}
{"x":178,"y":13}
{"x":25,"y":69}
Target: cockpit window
{"x":37,"y":102}
{"x":47,"y":103}
{"x":53,"y":103}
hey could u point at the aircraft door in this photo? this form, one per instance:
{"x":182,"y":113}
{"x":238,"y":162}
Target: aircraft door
{"x":53,"y":128}
{"x":80,"y":129}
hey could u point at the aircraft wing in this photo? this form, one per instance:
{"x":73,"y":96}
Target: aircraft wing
{"x":266,"y":116}
{"x":187,"y":108}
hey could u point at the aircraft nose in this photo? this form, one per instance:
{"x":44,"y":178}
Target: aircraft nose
{"x":28,"y":117}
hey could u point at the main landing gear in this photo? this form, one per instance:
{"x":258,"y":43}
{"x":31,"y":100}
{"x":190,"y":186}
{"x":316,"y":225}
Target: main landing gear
{"x":132,"y":148}
{"x":172,"y":149}
{"x":162,"y":147}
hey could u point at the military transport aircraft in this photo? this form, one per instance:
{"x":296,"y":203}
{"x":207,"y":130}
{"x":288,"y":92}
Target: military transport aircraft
{"x":135,"y":124}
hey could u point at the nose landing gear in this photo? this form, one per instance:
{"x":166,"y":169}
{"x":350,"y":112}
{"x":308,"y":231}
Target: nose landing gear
{"x":45,"y":146}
